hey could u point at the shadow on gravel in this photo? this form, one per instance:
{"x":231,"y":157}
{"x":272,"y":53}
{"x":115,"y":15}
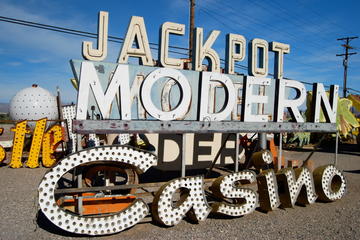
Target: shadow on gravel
{"x":349,"y":153}
{"x":350,"y":149}
{"x":344,"y":148}
{"x":221,"y":216}
{"x":352,"y":171}
{"x":48,"y":226}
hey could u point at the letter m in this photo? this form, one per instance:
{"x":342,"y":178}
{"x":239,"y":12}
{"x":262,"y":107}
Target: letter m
{"x":89,"y":80}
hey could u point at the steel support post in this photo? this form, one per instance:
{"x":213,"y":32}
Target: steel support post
{"x":79,"y":185}
{"x":78,"y":142}
{"x":262,"y":140}
{"x":237,"y":152}
{"x":183,"y":161}
{"x":218,"y":155}
{"x":336,"y":148}
{"x":280,"y":152}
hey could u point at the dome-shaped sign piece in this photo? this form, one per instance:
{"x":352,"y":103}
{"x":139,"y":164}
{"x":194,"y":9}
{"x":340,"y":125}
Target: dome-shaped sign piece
{"x":33,"y":103}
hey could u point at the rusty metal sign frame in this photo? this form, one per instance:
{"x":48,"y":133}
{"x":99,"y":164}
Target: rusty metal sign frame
{"x":153,"y":126}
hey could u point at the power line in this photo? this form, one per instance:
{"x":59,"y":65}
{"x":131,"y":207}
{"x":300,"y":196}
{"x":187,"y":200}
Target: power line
{"x":86,"y":34}
{"x":220,"y":20}
{"x":351,"y":89}
{"x":282,"y":13}
{"x":114,"y":39}
{"x":250,"y":18}
{"x":213,"y":15}
{"x":328,"y":20}
{"x":71,"y":31}
{"x":294,"y":18}
{"x":346,"y":58}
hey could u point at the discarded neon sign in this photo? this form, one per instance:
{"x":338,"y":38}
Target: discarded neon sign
{"x":45,"y":140}
{"x":119,"y":93}
{"x":235,"y":48}
{"x":327,"y":183}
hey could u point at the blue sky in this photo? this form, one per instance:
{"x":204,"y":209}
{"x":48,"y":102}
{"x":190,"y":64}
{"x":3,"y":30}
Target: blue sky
{"x":29,"y":55}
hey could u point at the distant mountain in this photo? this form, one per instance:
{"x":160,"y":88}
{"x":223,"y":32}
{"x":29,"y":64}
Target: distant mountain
{"x":4,"y":107}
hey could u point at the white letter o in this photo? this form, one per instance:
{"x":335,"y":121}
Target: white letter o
{"x":185,"y":100}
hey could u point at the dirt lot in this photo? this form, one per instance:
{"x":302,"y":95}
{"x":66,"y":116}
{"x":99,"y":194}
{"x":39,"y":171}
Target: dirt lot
{"x":337,"y":220}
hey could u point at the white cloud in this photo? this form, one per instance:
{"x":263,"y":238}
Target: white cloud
{"x":26,"y":46}
{"x":14,"y":64}
{"x":48,"y":78}
{"x":176,"y":4}
{"x":38,"y":60}
{"x":40,"y":41}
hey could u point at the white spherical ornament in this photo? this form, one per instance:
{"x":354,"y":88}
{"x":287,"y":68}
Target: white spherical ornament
{"x":33,"y":103}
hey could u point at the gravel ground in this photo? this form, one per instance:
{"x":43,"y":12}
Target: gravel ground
{"x":337,"y":220}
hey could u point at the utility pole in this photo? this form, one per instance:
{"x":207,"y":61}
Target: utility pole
{"x":346,"y":57}
{"x":192,"y":23}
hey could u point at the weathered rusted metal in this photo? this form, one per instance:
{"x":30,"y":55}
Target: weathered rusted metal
{"x":118,"y":187}
{"x":148,"y":126}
